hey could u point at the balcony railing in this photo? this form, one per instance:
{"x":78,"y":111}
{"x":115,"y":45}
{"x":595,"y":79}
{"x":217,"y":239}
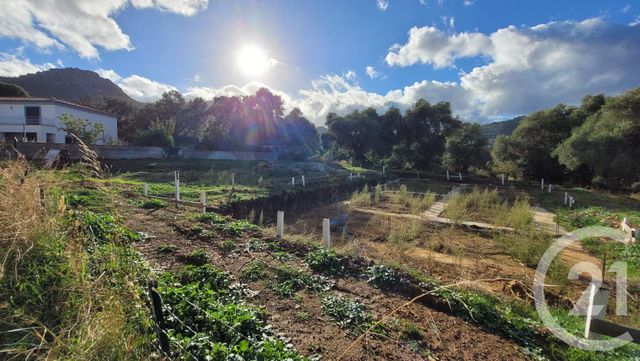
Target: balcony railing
{"x":29,"y":120}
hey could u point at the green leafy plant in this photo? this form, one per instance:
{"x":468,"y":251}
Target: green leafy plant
{"x":254,"y":271}
{"x":324,"y":260}
{"x":381,"y":276}
{"x":153,"y":203}
{"x":348,"y":314}
{"x":197,"y":258}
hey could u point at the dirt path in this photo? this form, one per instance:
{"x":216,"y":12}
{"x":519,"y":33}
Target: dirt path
{"x":575,"y":252}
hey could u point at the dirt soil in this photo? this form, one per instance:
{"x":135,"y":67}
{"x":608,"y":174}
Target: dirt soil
{"x":447,"y":337}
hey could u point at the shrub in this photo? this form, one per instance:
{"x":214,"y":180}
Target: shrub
{"x":361,"y":198}
{"x":254,"y":271}
{"x":403,"y":233}
{"x":155,"y":137}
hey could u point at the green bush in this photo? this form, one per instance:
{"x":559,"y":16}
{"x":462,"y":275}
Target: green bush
{"x":348,"y":314}
{"x":197,"y":258}
{"x":381,"y":276}
{"x":155,"y":137}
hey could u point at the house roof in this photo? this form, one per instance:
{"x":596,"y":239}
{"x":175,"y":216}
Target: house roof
{"x":54,"y":101}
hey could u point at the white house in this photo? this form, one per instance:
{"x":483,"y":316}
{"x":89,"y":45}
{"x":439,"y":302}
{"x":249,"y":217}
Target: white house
{"x":36,"y":120}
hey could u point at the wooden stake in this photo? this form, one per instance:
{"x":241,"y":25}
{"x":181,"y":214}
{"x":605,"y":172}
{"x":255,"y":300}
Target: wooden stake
{"x":326,"y":232}
{"x":280,"y":223}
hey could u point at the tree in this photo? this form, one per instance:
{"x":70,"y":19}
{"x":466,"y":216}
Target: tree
{"x":608,"y":143}
{"x":12,"y":90}
{"x":87,"y":131}
{"x":466,"y":147}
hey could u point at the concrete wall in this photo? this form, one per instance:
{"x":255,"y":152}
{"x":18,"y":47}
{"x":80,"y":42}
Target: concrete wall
{"x":189,"y":153}
{"x":115,"y":152}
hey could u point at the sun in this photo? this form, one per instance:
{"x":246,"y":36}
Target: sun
{"x":253,"y":61}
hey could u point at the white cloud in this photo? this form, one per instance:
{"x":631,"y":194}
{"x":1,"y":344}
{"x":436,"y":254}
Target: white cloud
{"x":430,"y":45}
{"x":372,"y":72}
{"x":383,"y":4}
{"x":529,"y":68}
{"x":350,"y":75}
{"x":468,"y":2}
{"x":15,"y":65}
{"x":109,"y":74}
{"x":334,"y":93}
{"x":626,"y":9}
{"x":636,"y":21}
{"x":136,"y":86}
{"x":81,"y":25}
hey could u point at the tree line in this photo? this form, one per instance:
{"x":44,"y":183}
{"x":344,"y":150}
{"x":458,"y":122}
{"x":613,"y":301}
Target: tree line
{"x":250,"y":122}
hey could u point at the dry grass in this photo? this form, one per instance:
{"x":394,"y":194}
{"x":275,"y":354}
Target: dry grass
{"x":487,"y":206}
{"x":58,"y":298}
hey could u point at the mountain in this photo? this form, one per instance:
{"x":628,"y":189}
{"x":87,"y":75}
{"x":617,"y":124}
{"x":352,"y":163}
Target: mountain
{"x":70,"y":84}
{"x":506,"y":127}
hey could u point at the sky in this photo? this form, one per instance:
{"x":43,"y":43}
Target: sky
{"x":490,"y":59}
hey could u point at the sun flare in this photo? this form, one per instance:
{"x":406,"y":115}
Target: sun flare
{"x":253,"y":61}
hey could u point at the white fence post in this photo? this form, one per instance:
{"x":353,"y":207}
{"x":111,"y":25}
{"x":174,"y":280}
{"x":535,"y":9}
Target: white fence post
{"x":145,"y":189}
{"x":326,"y":232}
{"x":460,"y":176}
{"x":280,"y":223}
{"x":203,"y":200}
{"x":549,"y":188}
{"x":566,"y":198}
{"x":384,"y":169}
{"x":293,"y":182}
{"x":350,"y":176}
{"x":303,"y":182}
{"x":542,"y":183}
{"x":502,"y":175}
{"x":571,"y":201}
{"x":447,"y":174}
{"x":176,"y":177}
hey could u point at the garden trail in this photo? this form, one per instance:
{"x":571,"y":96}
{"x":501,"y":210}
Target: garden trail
{"x":572,"y":254}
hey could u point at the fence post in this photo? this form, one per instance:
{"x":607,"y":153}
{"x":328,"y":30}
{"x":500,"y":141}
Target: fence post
{"x":145,"y":189}
{"x":384,"y":169}
{"x":542,"y":183}
{"x":566,"y":197}
{"x":280,"y":223}
{"x":326,"y":232}
{"x":158,"y":317}
{"x":203,"y":200}
{"x":502,"y":175}
{"x":460,"y":176}
{"x":176,"y":176}
{"x":303,"y":182}
{"x":549,"y":188}
{"x":350,"y":176}
{"x":447,"y":174}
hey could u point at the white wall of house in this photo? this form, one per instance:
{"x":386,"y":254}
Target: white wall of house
{"x":13,"y":120}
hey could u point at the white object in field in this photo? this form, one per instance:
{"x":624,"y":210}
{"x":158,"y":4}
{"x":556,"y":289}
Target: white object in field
{"x":350,"y":176}
{"x":326,"y":232}
{"x":384,"y":169}
{"x":233,"y":179}
{"x":549,"y":188}
{"x":447,"y":175}
{"x":280,"y":223}
{"x":566,"y":197}
{"x":293,"y":181}
{"x":571,"y":201}
{"x":502,"y":178}
{"x":303,"y":183}
{"x":598,"y":300}
{"x":145,"y":189}
{"x":203,"y":200}
{"x":176,"y":177}
{"x":542,"y":183}
{"x":460,"y":176}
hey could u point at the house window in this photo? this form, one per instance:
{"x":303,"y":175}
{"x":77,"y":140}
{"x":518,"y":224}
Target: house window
{"x":32,"y":115}
{"x":51,"y":137}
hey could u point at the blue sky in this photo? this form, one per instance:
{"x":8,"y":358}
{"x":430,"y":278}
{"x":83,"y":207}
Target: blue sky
{"x":490,"y":59}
